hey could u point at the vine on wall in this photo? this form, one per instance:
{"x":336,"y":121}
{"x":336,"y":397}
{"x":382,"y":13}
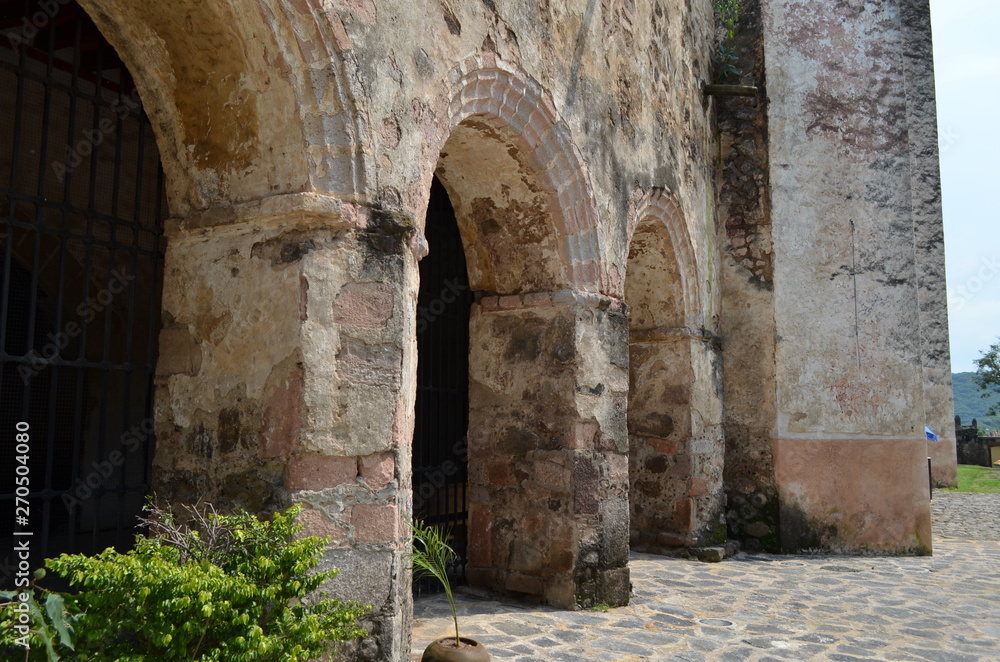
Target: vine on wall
{"x":727,"y":13}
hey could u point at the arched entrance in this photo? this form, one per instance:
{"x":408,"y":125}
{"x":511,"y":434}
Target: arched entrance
{"x":675,"y":410}
{"x":81,"y":219}
{"x":547,"y":467}
{"x":440,"y":444}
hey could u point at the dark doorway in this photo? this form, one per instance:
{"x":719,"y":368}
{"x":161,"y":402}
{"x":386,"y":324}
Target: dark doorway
{"x":440,"y":464}
{"x":81,"y":211}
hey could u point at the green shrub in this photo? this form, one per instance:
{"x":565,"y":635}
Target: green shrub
{"x":225,"y":587}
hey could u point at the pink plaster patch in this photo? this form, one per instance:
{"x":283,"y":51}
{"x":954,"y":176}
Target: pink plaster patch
{"x":282,"y":424}
{"x":366,"y":305}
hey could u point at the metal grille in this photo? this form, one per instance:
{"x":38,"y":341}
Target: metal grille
{"x":81,"y":207}
{"x":440,"y":465}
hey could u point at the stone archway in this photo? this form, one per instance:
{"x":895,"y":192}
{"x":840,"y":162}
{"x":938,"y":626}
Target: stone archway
{"x":675,"y":410}
{"x":247,"y":97}
{"x":547,"y":447}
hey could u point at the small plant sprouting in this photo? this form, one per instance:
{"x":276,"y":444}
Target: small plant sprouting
{"x":727,"y":13}
{"x":431,"y":556}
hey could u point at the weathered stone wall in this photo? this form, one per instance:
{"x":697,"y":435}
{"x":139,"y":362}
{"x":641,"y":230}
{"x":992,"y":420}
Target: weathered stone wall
{"x":300,"y":140}
{"x":675,"y":406}
{"x":850,"y":453}
{"x":296,"y":315}
{"x":547,"y":448}
{"x":928,"y":235}
{"x":747,"y":274}
{"x":299,"y":143}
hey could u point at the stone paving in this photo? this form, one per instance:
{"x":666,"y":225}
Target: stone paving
{"x":762,"y":607}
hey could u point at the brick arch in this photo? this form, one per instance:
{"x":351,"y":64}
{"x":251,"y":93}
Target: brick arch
{"x":659,"y":210}
{"x":222,"y":81}
{"x":674,"y":413}
{"x":500,"y":101}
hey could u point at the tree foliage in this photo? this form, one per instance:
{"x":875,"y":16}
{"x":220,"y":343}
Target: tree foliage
{"x":987,"y":376}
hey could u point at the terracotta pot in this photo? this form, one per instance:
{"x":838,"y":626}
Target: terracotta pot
{"x":444,"y":650}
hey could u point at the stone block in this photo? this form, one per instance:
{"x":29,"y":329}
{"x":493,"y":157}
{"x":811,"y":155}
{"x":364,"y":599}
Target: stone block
{"x":552,"y":475}
{"x":481,"y":576}
{"x":509,"y":302}
{"x":374,"y":365}
{"x":665,"y":539}
{"x":365,"y":576}
{"x":378,"y":470}
{"x":521,"y":583}
{"x":366,"y":305}
{"x":614,"y":587}
{"x":319,"y":472}
{"x":684,"y":515}
{"x":682,"y":466}
{"x":704,"y":447}
{"x":315,"y":523}
{"x":665,"y":446}
{"x":481,"y":537}
{"x":614,"y":527}
{"x":500,"y":473}
{"x":560,"y":592}
{"x":710,"y":554}
{"x":585,"y":482}
{"x":374,"y":523}
{"x":583,"y":435}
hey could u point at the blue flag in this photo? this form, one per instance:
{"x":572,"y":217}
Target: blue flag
{"x":930,"y":434}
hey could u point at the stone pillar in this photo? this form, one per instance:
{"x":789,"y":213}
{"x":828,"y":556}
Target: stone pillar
{"x":850,"y":452}
{"x":287,"y":333}
{"x":675,"y":438}
{"x":928,"y":229}
{"x":548,"y":449}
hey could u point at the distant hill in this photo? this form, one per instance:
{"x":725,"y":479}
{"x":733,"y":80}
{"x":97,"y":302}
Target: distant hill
{"x":969,"y":404}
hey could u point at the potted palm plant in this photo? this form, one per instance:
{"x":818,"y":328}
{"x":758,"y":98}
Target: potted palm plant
{"x":431,"y":555}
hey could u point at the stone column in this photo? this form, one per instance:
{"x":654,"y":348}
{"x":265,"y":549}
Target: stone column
{"x":850,"y":452}
{"x":928,"y":229}
{"x":548,"y":449}
{"x":675,"y":435}
{"x":287,"y":335}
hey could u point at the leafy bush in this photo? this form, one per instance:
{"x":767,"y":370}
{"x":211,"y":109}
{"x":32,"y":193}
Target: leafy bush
{"x":29,"y":624}
{"x":225,"y":587}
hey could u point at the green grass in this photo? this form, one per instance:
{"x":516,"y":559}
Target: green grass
{"x":977,"y":479}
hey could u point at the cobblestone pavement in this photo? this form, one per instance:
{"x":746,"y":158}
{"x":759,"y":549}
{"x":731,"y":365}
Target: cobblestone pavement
{"x":966,"y":515}
{"x":761,"y":607}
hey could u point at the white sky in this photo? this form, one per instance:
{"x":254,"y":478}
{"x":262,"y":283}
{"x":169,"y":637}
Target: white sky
{"x":967,"y":66}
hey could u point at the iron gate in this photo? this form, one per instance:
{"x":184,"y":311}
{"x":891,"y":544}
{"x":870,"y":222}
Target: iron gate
{"x":440,"y":465}
{"x":81,"y":203}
